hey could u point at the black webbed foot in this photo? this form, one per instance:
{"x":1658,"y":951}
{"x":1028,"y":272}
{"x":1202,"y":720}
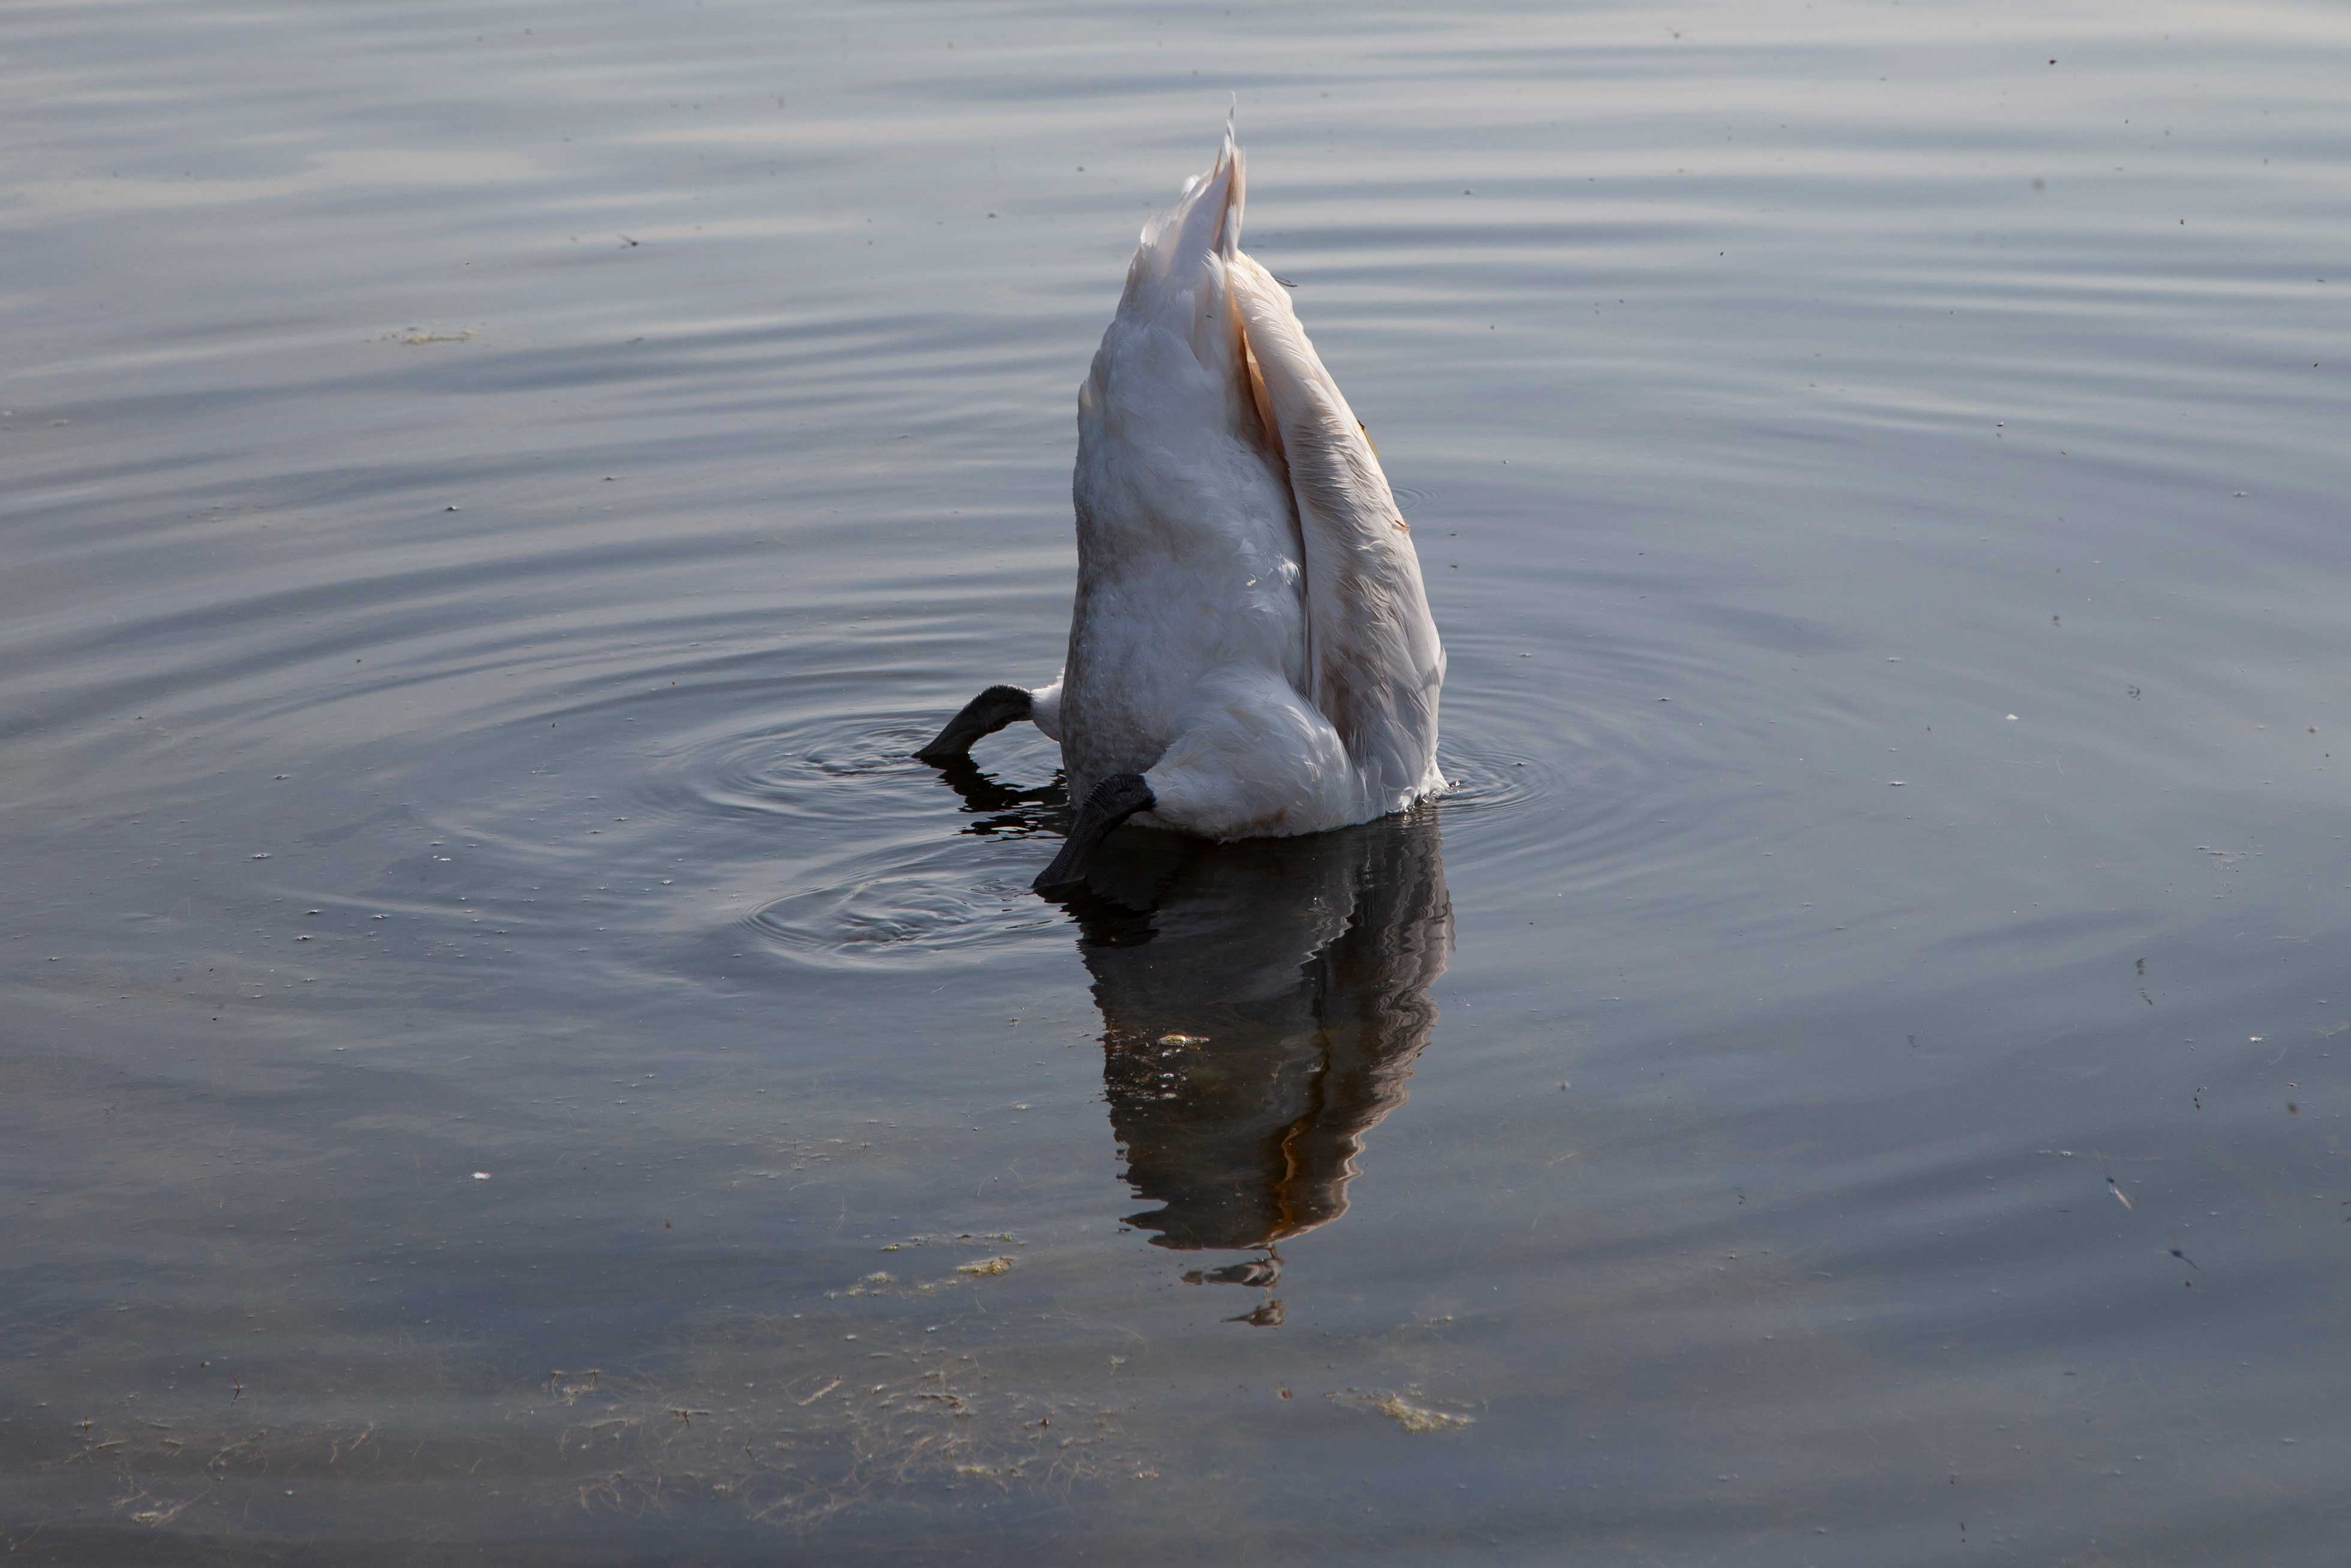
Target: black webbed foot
{"x":982,"y":716}
{"x":1113,"y":800}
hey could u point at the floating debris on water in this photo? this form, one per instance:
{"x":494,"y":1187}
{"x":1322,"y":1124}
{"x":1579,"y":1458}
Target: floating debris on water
{"x":997,"y":1265}
{"x":1005,"y":1237}
{"x":1408,"y":1413}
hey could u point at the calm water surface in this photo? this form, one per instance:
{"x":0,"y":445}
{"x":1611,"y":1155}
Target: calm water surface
{"x":506,"y":1059}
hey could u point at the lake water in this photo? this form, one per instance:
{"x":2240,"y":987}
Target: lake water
{"x":508,"y":1060}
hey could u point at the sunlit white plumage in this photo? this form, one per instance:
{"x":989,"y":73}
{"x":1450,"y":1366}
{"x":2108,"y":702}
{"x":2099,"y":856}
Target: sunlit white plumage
{"x":1250,"y":634}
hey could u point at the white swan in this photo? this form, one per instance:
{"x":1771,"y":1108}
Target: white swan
{"x":1250,"y":651}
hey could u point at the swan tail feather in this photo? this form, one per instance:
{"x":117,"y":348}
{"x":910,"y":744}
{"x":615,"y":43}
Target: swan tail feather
{"x":1205,"y":221}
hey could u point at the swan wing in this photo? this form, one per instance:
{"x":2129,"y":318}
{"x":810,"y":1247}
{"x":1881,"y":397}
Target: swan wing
{"x":1375,"y":662}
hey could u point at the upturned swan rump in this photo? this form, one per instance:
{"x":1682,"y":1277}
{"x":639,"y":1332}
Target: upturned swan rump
{"x":1251,"y":648}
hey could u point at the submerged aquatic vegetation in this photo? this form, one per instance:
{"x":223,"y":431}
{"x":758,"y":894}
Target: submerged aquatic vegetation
{"x":779,"y":1421}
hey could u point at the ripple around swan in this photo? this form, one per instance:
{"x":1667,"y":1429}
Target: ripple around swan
{"x":907,"y":885}
{"x":1590,"y":779}
{"x":849,"y":767}
{"x":1608,"y":791}
{"x":903,"y":906}
{"x":1477,"y":779}
{"x":836,"y":764}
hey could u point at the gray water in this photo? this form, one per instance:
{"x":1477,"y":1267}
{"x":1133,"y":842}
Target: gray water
{"x":508,"y":1060}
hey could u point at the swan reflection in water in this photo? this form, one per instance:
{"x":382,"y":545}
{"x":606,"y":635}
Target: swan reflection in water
{"x":1262,"y":1007}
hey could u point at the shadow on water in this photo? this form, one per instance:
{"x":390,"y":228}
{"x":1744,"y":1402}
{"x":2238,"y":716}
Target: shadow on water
{"x":1262,"y":1007}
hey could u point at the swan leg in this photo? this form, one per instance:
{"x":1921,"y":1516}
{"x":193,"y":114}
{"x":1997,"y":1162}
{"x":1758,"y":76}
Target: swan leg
{"x":982,"y":716}
{"x":1113,"y":800}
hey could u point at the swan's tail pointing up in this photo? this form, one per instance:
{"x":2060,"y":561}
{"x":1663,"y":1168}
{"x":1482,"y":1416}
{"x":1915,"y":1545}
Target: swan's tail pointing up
{"x":1205,"y":220}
